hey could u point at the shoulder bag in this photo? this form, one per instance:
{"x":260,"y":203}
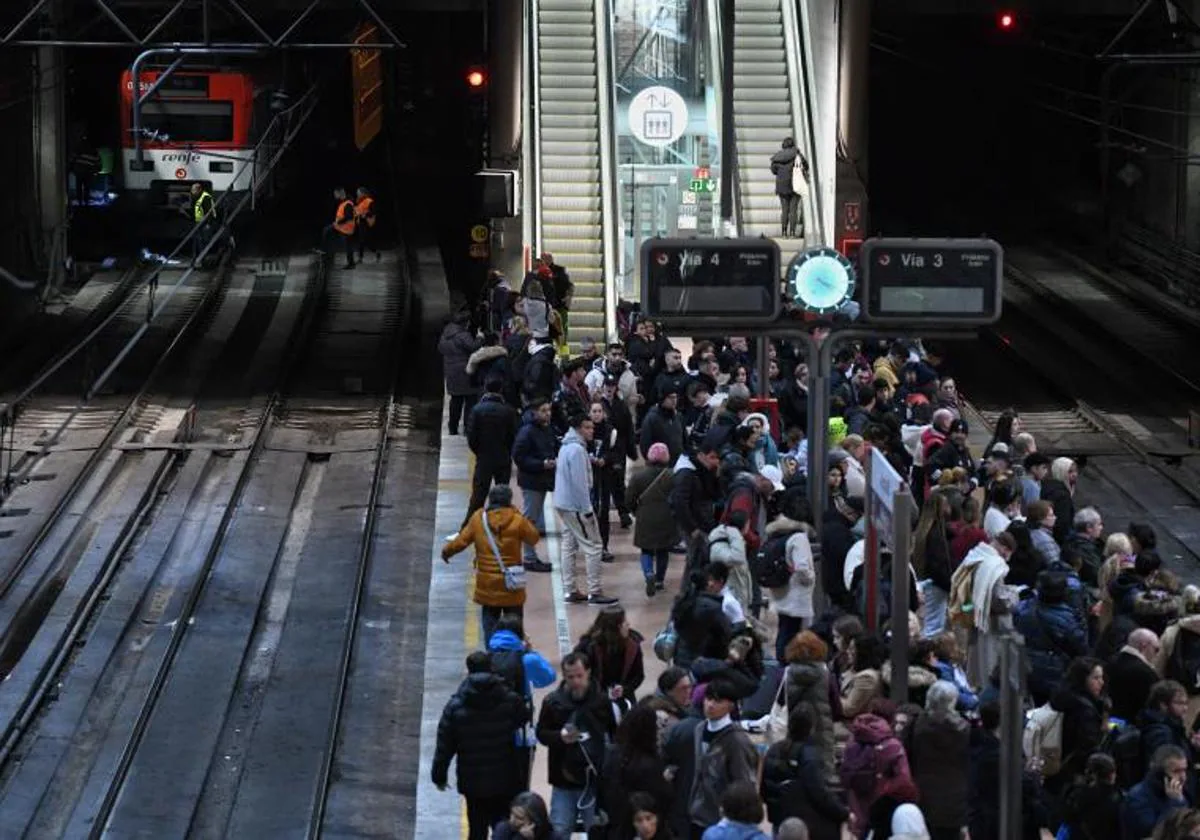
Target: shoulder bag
{"x":514,"y":576}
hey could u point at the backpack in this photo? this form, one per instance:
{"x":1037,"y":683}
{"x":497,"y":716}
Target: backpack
{"x":1184,"y":664}
{"x":873,"y":771}
{"x":1124,"y":744}
{"x":1043,"y":738}
{"x":770,"y":567}
{"x":510,"y":665}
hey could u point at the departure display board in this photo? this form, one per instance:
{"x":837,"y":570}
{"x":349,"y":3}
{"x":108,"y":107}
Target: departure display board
{"x":726,"y":281}
{"x":932,"y":281}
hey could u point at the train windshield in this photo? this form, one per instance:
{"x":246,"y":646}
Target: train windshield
{"x":190,"y":122}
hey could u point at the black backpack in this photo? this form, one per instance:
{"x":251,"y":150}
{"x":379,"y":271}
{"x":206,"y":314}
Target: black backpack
{"x":770,"y":567}
{"x":510,"y":665}
{"x":1184,"y":664}
{"x":1124,"y":744}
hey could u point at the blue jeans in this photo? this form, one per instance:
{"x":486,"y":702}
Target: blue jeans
{"x":565,"y":806}
{"x":655,"y":564}
{"x":533,"y":507}
{"x":936,"y":602}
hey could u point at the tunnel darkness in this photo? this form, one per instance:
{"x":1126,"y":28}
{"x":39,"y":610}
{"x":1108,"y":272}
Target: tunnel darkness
{"x":967,"y":130}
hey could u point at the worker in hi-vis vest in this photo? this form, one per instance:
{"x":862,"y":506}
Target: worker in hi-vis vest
{"x":364,"y":215}
{"x":343,"y":226}
{"x":204,"y":213}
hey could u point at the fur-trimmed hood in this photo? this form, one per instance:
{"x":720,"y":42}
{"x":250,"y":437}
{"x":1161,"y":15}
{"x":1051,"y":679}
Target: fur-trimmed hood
{"x":783,"y":525}
{"x":918,"y":677}
{"x":483,"y":355}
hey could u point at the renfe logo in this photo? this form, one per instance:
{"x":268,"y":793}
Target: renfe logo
{"x":181,"y":157}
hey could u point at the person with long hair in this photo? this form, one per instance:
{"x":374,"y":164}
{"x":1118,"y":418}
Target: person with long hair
{"x":528,"y":819}
{"x":615,"y":649}
{"x":793,"y":784}
{"x":807,"y":678}
{"x":649,"y":821}
{"x":1008,"y":426}
{"x":932,"y":560}
{"x":633,"y":764}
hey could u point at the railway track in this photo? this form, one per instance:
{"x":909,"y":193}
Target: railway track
{"x":236,"y":599}
{"x":1085,"y":392}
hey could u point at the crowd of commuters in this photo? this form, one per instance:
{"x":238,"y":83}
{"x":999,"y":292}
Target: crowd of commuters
{"x":773,"y":717}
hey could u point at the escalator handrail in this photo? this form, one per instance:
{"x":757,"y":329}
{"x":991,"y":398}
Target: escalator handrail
{"x":609,"y":218}
{"x":801,"y":88}
{"x":531,"y":143}
{"x":716,"y":53}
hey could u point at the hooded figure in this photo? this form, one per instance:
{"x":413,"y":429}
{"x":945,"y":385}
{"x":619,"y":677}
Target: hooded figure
{"x":908,"y":823}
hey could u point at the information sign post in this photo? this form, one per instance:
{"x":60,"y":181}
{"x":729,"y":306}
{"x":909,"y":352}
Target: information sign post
{"x":889,"y":511}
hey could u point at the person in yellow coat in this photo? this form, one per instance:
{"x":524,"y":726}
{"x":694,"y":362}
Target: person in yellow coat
{"x":498,"y":529}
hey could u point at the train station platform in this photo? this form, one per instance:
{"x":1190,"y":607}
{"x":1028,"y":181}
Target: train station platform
{"x":553,"y":625}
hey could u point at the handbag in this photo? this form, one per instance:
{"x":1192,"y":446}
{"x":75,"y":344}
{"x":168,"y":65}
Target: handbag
{"x":777,"y":720}
{"x":514,"y":576}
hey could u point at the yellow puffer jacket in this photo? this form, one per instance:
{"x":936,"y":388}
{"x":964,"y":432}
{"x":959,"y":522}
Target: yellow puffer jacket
{"x":510,"y":530}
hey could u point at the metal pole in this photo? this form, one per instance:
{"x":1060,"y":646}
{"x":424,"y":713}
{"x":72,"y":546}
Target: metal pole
{"x":764,"y":381}
{"x":137,"y":79}
{"x":299,"y":20}
{"x":903,"y":507}
{"x":168,"y":17}
{"x":1012,"y":724}
{"x":111,"y":15}
{"x":382,"y":24}
{"x":249,"y":18}
{"x":162,"y":77}
{"x":204,"y":20}
{"x":871,"y":560}
{"x":1128,"y":26}
{"x":12,"y":33}
{"x":818,"y":427}
{"x":728,"y":137}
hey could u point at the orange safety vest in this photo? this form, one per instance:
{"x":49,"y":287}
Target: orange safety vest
{"x":365,"y":209}
{"x":345,"y":211}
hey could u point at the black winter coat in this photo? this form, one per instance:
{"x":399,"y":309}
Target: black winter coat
{"x":794,"y":785}
{"x":694,"y":492}
{"x":939,"y":758}
{"x":1053,"y":637}
{"x":540,"y":376}
{"x":1159,"y":730}
{"x":1129,"y":680}
{"x":1089,"y":554}
{"x":703,"y":629}
{"x":793,"y":406}
{"x":456,"y":346}
{"x":479,"y":726}
{"x":533,"y":447}
{"x":492,"y":429}
{"x":1083,"y":730}
{"x":662,"y":426}
{"x":936,"y":565}
{"x":1059,"y":496}
{"x":671,"y":382}
{"x":781,"y":168}
{"x":983,"y":800}
{"x":569,"y":763}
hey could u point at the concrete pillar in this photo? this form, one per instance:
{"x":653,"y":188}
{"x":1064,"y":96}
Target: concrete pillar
{"x":854,"y":36}
{"x":50,"y":147}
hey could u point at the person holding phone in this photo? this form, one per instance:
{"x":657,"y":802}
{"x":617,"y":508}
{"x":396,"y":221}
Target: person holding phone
{"x":1158,"y":795}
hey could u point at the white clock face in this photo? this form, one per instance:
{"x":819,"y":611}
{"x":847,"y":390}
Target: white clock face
{"x":822,"y":280}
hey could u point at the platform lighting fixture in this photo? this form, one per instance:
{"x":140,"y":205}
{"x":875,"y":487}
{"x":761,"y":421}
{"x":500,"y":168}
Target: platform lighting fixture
{"x":476,"y":78}
{"x":1007,"y":21}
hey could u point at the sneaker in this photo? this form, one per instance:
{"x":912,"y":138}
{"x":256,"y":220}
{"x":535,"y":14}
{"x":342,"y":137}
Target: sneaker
{"x":680,"y":548}
{"x":599,"y":599}
{"x":608,"y":557}
{"x":660,"y":585}
{"x":537,"y":566}
{"x":576,"y":598}
{"x":650,"y":587}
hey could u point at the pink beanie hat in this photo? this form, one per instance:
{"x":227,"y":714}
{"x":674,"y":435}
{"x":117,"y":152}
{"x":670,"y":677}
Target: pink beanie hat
{"x":658,"y":454}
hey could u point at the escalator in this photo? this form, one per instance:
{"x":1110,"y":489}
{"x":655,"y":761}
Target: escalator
{"x":572,"y":178}
{"x":769,"y":103}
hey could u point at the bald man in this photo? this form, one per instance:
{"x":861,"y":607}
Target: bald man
{"x":793,"y":828}
{"x":1131,"y":674}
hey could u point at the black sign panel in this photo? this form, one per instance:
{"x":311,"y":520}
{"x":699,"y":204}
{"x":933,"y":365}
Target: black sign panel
{"x":185,"y":84}
{"x":931,"y":281}
{"x":727,"y":281}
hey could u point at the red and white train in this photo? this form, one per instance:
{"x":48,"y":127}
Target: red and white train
{"x":199,"y":125}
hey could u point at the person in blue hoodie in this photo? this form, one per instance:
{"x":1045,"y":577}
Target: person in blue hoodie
{"x":573,"y":501}
{"x":741,"y":813}
{"x":1054,"y":634}
{"x":514,"y":658}
{"x":535,"y":452}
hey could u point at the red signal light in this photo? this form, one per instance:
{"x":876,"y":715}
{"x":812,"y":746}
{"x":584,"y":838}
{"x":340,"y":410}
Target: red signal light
{"x":1007,"y":20}
{"x":476,"y":78}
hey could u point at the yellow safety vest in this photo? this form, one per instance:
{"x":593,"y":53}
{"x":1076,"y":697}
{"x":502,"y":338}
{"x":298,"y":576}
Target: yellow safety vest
{"x":198,"y":207}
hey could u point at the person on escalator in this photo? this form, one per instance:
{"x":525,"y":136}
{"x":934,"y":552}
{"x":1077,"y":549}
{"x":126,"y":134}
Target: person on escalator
{"x":790,"y":169}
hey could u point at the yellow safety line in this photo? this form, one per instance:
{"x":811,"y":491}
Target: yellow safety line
{"x":470,"y":641}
